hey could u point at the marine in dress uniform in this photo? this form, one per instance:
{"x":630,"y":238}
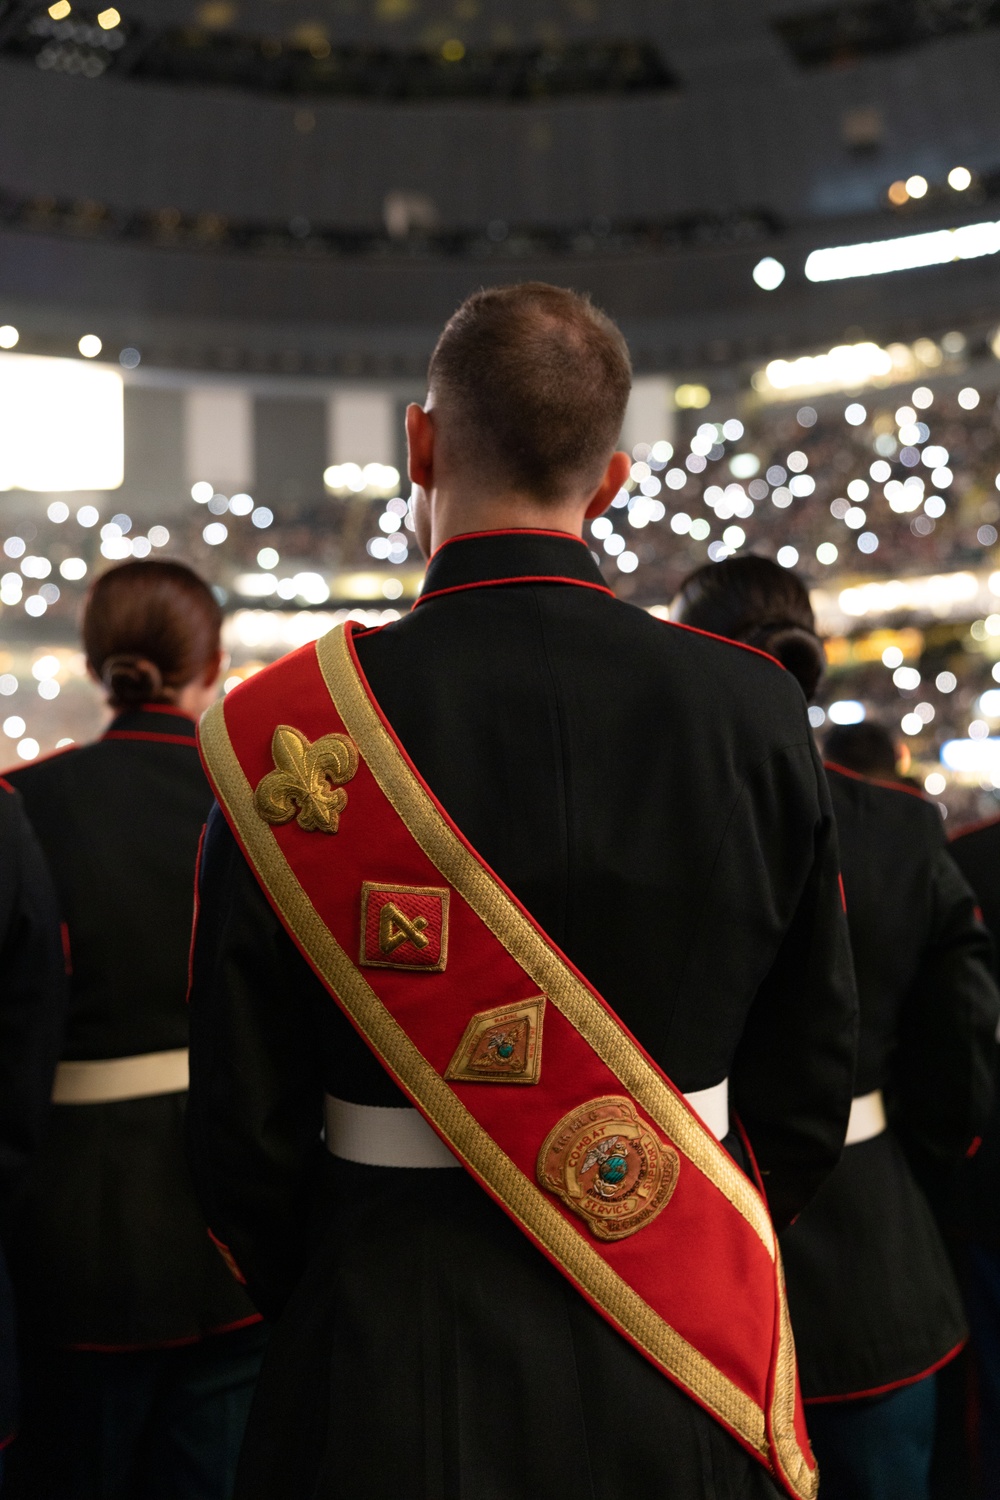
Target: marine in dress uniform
{"x":32,"y":1015}
{"x":140,"y":1348}
{"x":654,"y":799}
{"x":874,"y":1303}
{"x":975,"y":1198}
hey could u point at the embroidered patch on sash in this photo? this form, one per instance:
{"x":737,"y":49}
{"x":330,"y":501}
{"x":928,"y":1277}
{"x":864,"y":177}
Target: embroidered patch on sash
{"x":307,"y":782}
{"x":606,"y":1164}
{"x":404,"y":926}
{"x":501,"y":1046}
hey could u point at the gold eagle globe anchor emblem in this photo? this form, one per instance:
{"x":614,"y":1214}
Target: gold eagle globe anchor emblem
{"x":308,"y":780}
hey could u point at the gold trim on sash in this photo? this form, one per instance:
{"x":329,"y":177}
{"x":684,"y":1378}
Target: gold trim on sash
{"x":521,"y":1197}
{"x":464,"y":1134}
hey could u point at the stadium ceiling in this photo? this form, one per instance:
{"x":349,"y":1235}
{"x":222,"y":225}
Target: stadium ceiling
{"x":311,"y":163}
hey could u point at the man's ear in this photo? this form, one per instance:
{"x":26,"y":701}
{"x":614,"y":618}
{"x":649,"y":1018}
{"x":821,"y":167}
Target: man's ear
{"x":615,"y":476}
{"x":420,"y":445}
{"x":214,"y":667}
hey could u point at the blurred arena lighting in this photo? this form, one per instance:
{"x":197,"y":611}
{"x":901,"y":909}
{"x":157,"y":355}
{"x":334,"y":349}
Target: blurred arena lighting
{"x":906,"y":252}
{"x":61,"y":425}
{"x":845,"y":367}
{"x":973,"y":757}
{"x":846,"y":711}
{"x":376,"y":480}
{"x":959,"y":178}
{"x":269,"y":629}
{"x":769,"y":273}
{"x":8,"y":336}
{"x":90,"y":346}
{"x":936,"y":595}
{"x":692,"y":397}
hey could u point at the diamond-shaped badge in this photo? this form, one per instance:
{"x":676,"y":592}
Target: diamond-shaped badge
{"x":502,"y":1045}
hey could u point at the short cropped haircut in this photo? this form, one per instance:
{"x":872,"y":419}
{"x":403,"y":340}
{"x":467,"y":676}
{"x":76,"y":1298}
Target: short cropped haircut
{"x":532,"y":382}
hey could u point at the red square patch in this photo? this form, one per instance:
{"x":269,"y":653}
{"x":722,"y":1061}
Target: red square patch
{"x":404,"y":926}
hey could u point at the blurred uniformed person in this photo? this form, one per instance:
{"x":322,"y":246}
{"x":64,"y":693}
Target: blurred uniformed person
{"x":874,"y":1303}
{"x":654,"y":799}
{"x":32,"y":1016}
{"x":975,"y":1198}
{"x":141,"y":1350}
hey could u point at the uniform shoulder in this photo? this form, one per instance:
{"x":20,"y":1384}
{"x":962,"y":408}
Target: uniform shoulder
{"x":981,"y":836}
{"x":28,"y":776}
{"x":888,"y":799}
{"x":703,"y":663}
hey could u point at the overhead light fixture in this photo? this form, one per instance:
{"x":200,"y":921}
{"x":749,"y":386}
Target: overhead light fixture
{"x":61,"y":425}
{"x":906,"y":252}
{"x":959,"y":178}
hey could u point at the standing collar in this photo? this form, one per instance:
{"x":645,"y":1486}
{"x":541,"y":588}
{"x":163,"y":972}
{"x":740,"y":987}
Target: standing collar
{"x":159,"y":722}
{"x":481,"y":559}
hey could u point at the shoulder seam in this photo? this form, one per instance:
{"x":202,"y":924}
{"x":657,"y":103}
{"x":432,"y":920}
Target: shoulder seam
{"x":980,"y":827}
{"x":41,"y":760}
{"x":890,"y":786}
{"x":726,"y":641}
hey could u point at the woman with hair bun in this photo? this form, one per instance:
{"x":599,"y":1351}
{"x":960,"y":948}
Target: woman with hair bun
{"x":874,"y":1304}
{"x":140,"y":1348}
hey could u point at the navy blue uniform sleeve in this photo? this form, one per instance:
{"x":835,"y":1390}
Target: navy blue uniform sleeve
{"x":793,"y":1076}
{"x":33,"y":992}
{"x":255,"y":1108}
{"x":944,"y":1074}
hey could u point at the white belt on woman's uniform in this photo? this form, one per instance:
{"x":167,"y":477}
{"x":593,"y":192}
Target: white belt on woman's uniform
{"x":379,"y":1137}
{"x":867,"y":1118}
{"x":107,"y":1080}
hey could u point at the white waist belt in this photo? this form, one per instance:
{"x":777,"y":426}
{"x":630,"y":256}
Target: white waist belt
{"x":867,"y":1118}
{"x":380,"y":1137}
{"x":106,"y":1080}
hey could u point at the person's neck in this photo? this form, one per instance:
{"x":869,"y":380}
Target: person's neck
{"x":453,"y":515}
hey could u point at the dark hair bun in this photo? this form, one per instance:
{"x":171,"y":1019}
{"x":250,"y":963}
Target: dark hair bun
{"x":150,"y":626}
{"x":131,"y":679}
{"x":800,"y":652}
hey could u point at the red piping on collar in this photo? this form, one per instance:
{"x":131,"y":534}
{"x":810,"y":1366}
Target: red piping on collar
{"x":39,"y":760}
{"x":468,"y":536}
{"x":960,"y":833}
{"x":146,"y":734}
{"x":489,"y":583}
{"x":893,"y":1385}
{"x":162,"y":708}
{"x":890,"y":786}
{"x":726,"y":641}
{"x":5,"y":784}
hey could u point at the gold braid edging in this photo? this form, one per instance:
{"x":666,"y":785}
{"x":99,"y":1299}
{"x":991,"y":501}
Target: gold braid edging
{"x":549,"y":971}
{"x":804,"y":1479}
{"x":470,"y":1142}
{"x":523,"y":942}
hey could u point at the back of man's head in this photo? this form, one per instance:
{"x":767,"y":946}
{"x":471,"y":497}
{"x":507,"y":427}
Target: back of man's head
{"x":529,"y":386}
{"x":866,"y":748}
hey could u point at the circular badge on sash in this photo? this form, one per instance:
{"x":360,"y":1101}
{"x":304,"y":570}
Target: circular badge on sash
{"x":607,"y":1165}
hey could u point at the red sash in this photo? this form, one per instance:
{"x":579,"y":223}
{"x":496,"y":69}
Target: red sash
{"x":460,"y":994}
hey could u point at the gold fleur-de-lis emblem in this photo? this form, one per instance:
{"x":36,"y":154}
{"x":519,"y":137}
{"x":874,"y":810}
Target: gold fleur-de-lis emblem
{"x":307,"y":781}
